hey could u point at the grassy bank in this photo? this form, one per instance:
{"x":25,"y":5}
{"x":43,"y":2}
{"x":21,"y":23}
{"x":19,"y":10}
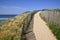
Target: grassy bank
{"x":10,"y":28}
{"x":55,"y":29}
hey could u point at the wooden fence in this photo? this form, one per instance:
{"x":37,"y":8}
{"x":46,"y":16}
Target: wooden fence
{"x":51,"y":16}
{"x":25,"y":25}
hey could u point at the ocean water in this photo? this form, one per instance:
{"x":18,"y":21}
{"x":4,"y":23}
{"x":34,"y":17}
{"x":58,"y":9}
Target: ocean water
{"x":4,"y":17}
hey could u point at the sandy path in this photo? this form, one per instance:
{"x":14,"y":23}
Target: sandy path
{"x":41,"y":30}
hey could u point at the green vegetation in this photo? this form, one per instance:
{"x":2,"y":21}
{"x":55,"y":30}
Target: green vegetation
{"x":10,"y":28}
{"x":16,"y":38}
{"x":55,"y":29}
{"x":6,"y":37}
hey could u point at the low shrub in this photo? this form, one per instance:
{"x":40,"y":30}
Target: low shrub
{"x":55,"y":29}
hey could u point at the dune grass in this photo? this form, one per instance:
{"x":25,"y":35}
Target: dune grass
{"x":10,"y":28}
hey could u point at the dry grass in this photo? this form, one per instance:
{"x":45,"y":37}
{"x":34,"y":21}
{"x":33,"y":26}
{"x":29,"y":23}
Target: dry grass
{"x":10,"y":28}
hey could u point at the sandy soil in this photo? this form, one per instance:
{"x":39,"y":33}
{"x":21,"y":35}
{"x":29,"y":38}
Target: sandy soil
{"x":41,"y":30}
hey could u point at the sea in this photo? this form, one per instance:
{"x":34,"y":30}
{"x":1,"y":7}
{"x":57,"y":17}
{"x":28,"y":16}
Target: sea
{"x":4,"y":17}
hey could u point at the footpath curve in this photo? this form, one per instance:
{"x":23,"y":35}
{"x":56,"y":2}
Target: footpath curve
{"x":40,"y":30}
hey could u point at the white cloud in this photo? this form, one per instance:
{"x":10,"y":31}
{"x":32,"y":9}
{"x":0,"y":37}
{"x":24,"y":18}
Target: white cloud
{"x":14,"y":7}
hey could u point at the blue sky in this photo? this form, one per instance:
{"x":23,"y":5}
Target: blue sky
{"x":19,"y":6}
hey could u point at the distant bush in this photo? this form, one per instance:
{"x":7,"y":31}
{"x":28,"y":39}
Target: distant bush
{"x":58,"y":9}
